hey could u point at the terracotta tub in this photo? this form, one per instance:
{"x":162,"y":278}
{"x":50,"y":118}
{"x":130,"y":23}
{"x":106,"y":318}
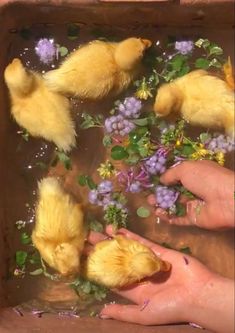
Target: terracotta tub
{"x":207,"y":19}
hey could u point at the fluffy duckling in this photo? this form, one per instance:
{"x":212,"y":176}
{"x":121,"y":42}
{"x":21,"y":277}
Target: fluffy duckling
{"x":202,"y":99}
{"x":120,"y":262}
{"x":99,"y":68}
{"x":41,"y":112}
{"x":59,"y":233}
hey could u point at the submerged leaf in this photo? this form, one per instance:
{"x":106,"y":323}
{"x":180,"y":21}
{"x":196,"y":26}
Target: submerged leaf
{"x":119,"y":153}
{"x":25,"y":238}
{"x":143,"y":212}
{"x":21,"y":257}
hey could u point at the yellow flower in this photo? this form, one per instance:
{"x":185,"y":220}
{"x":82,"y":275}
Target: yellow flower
{"x":178,"y":143}
{"x":143,"y":92}
{"x":106,"y":170}
{"x":200,"y":153}
{"x":220,"y":158}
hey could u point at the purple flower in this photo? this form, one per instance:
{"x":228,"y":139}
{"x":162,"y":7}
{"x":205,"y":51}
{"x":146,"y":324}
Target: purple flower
{"x":130,"y":108}
{"x":46,"y":50}
{"x":184,"y":47}
{"x":156,"y":164}
{"x":118,"y":125}
{"x":166,"y":197}
{"x":134,"y":181}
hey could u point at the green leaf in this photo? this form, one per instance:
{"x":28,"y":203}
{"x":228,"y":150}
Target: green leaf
{"x":215,"y":63}
{"x":180,"y":209}
{"x":90,"y":183}
{"x":107,"y":140}
{"x":143,"y":212}
{"x":38,"y":271}
{"x":204,"y":137}
{"x":118,"y":153}
{"x":95,"y":225}
{"x":215,"y":50}
{"x":25,"y":238}
{"x":65,"y":159}
{"x":202,"y":63}
{"x":184,"y":70}
{"x":85,"y":180}
{"x":177,"y":62}
{"x":91,"y":121}
{"x":140,"y":122}
{"x":82,"y":180}
{"x":63,"y":51}
{"x":132,"y":159}
{"x":185,"y":250}
{"x":187,"y":149}
{"x":21,"y":257}
{"x":73,"y":31}
{"x":35,"y":258}
{"x":137,"y":134}
{"x":169,"y":75}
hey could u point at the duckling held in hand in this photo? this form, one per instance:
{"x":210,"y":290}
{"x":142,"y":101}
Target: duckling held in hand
{"x":202,"y":99}
{"x":41,"y":112}
{"x":99,"y":68}
{"x":120,"y":262}
{"x":59,"y":232}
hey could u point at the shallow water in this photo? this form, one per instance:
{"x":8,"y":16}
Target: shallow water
{"x":215,"y":249}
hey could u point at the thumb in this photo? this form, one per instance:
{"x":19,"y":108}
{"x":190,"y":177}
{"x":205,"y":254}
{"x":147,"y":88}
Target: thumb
{"x":129,"y":313}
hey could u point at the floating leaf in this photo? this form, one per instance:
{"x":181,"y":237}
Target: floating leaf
{"x":85,"y":180}
{"x":118,"y":153}
{"x":65,"y":159}
{"x":215,"y":50}
{"x":177,"y":62}
{"x":143,"y":212}
{"x":202,"y":63}
{"x":21,"y":257}
{"x":140,"y":122}
{"x":215,"y":63}
{"x":35,"y":258}
{"x":107,"y":140}
{"x":185,"y":250}
{"x":91,"y":121}
{"x":187,"y":149}
{"x":204,"y":137}
{"x":73,"y":31}
{"x":202,"y":43}
{"x":95,"y":225}
{"x":38,"y":271}
{"x":180,"y":209}
{"x":25,"y":238}
{"x":63,"y":51}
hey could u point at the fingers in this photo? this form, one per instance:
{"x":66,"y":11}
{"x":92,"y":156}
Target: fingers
{"x":96,"y":237}
{"x":129,"y":313}
{"x":190,"y":174}
{"x":196,"y":214}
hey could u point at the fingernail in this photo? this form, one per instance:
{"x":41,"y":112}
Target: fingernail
{"x":103,"y":316}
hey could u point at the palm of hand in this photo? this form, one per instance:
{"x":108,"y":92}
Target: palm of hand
{"x":164,"y":298}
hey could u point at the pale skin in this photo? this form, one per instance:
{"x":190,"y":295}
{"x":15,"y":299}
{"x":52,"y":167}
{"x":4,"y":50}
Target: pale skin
{"x":190,"y":293}
{"x":213,"y":184}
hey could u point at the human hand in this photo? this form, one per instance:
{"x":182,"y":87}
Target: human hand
{"x":189,"y":294}
{"x":213,"y":184}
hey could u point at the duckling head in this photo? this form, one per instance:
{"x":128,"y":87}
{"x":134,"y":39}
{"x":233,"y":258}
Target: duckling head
{"x":130,"y":52}
{"x":145,"y":264}
{"x":18,"y":78}
{"x":168,"y":100}
{"x":66,"y":258}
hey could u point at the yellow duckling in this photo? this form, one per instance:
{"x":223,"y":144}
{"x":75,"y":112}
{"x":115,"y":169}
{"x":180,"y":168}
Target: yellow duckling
{"x":120,"y":262}
{"x":59,"y":233}
{"x":41,"y":112}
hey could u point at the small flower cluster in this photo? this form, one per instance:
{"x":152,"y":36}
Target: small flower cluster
{"x":46,"y":50}
{"x":121,"y":124}
{"x":156,"y":164}
{"x":220,"y":143}
{"x":184,"y":47}
{"x":115,"y":212}
{"x":166,"y":197}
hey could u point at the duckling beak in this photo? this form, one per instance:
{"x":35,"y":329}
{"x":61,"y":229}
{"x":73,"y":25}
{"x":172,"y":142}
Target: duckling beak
{"x":147,"y":43}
